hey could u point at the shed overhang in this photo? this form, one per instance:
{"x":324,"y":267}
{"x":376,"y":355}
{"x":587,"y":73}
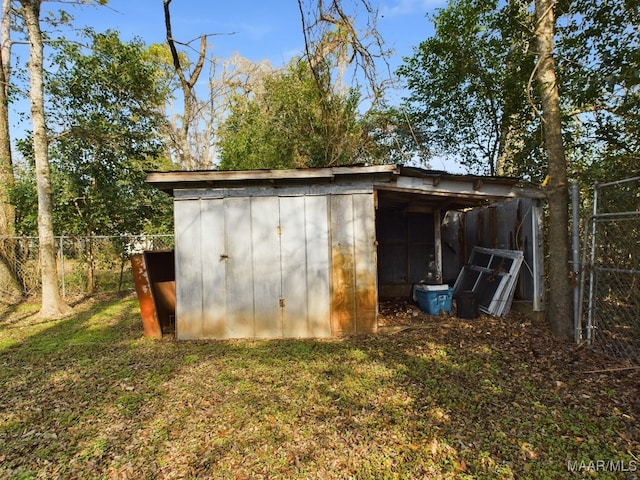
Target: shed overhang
{"x":170,"y":181}
{"x":419,"y":190}
{"x":413,"y":189}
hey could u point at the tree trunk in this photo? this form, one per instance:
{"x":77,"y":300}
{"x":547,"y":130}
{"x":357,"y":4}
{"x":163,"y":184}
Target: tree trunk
{"x":559,"y":304}
{"x":52,"y":304}
{"x":8,"y":279}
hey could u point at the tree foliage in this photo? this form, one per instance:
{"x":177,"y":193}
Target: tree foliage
{"x":472,"y":96}
{"x":108,"y":102}
{"x":306,"y":115}
{"x":599,"y":74}
{"x":341,"y":43}
{"x":467,"y":85}
{"x":283,"y":125}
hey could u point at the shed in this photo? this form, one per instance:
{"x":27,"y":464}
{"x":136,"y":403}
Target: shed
{"x":309,"y":252}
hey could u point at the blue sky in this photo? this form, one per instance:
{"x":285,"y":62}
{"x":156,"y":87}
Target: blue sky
{"x":257,"y":30}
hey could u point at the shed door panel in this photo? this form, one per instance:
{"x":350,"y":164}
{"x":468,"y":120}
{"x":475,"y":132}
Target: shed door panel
{"x":239,"y":279}
{"x":318,"y":266}
{"x":364,"y":230}
{"x":266,"y":266}
{"x":188,"y":270}
{"x":213,"y":268}
{"x":293,"y":247}
{"x":343,"y":292}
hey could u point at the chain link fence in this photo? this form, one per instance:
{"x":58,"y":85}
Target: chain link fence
{"x":610,"y":286}
{"x":86,"y":265}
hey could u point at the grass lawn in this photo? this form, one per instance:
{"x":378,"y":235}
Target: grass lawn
{"x":89,"y":397}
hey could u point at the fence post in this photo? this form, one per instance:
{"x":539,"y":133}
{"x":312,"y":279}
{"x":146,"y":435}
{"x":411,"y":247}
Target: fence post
{"x":592,"y":262}
{"x":575,"y":244}
{"x":62,"y":279}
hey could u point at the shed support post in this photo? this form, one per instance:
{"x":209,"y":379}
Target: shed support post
{"x":437,"y":229}
{"x":575,"y":246}
{"x":537,"y":229}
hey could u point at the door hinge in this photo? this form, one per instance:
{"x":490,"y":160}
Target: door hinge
{"x":279,"y":230}
{"x":281,"y":303}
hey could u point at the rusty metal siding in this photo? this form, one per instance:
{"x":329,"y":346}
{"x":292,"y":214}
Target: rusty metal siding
{"x":354,"y":292}
{"x":343,"y":286}
{"x":144,"y":290}
{"x":253,"y":267}
{"x":365,"y":264}
{"x":276,"y":266}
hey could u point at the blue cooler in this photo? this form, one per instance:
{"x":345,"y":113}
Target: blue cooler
{"x":433,"y":299}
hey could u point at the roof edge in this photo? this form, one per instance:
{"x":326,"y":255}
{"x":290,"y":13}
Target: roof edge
{"x":168,"y":181}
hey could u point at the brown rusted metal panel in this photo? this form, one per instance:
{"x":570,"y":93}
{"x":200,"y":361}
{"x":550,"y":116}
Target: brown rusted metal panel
{"x":343,"y":286}
{"x":150,"y":322}
{"x":162,"y":274}
{"x":343,"y":292}
{"x":366,"y":303}
{"x":154,"y":276}
{"x":354,"y":290}
{"x":366,"y":282}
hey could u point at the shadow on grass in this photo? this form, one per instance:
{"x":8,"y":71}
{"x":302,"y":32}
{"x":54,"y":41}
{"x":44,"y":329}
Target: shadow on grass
{"x":88,"y":395}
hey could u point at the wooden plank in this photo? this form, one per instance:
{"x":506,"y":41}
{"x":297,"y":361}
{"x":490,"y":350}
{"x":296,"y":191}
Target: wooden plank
{"x":266,"y":266}
{"x":213,"y":263}
{"x":343,"y":279}
{"x":293,"y":250}
{"x":163,"y":179}
{"x":318,"y":266}
{"x":239,"y":280}
{"x":366,"y":280}
{"x":188,"y":270}
{"x":236,"y":175}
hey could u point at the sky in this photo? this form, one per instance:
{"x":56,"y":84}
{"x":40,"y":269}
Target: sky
{"x":254,"y":29}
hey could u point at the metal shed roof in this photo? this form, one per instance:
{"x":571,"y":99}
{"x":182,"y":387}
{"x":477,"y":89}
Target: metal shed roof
{"x":396,"y":185}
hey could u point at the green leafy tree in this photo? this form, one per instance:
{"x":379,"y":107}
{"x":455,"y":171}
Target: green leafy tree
{"x":473,"y":98}
{"x":467,"y":84}
{"x":108,"y":102}
{"x":283,"y":125}
{"x":598,"y":46}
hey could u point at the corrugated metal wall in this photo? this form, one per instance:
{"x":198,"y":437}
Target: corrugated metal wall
{"x":406,"y":246}
{"x":511,"y":224}
{"x":274,"y":266}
